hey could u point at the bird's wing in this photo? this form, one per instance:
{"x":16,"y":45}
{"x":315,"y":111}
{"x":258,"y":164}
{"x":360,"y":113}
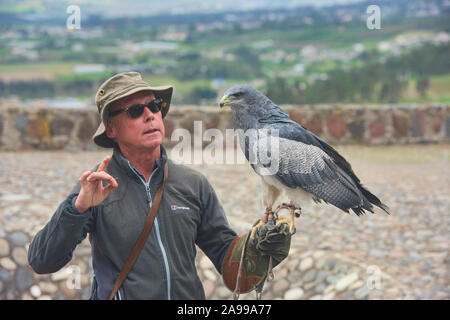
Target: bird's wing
{"x":291,"y":130}
{"x":297,"y":164}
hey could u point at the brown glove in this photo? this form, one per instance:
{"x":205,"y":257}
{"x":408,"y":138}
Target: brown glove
{"x":270,"y":241}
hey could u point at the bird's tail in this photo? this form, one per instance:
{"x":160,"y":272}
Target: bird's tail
{"x":373,"y":199}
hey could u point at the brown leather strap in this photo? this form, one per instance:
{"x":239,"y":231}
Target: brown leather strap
{"x":142,"y":238}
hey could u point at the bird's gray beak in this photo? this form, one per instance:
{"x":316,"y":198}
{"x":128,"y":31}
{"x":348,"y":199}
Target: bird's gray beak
{"x":224,"y":101}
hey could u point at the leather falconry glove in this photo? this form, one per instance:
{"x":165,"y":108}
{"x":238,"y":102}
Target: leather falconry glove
{"x":269,"y":241}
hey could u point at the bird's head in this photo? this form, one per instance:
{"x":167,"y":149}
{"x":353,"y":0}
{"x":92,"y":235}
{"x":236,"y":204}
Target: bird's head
{"x":250,"y":107}
{"x":240,"y":96}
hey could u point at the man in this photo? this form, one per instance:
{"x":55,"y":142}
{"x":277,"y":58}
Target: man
{"x":112,"y":202}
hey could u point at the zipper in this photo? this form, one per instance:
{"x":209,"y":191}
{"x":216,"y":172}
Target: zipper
{"x":118,"y":295}
{"x":164,"y":256}
{"x":158,"y":235}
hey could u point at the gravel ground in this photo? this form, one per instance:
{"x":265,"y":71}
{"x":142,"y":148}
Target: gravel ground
{"x":333,"y":253}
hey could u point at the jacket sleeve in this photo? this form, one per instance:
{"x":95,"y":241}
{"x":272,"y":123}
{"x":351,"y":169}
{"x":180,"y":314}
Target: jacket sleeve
{"x":214,"y":234}
{"x":53,"y":246}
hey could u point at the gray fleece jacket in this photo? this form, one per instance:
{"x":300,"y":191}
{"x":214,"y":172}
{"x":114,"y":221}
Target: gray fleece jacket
{"x":189,"y":214}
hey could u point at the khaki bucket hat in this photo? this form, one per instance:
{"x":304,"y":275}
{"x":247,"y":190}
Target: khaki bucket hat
{"x":117,"y":87}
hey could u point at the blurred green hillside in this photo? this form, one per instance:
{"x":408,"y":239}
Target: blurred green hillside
{"x":304,"y":55}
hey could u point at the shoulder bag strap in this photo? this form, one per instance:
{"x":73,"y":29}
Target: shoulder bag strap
{"x":142,"y":238}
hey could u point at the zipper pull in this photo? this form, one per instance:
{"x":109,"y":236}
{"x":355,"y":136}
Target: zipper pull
{"x":149,"y":197}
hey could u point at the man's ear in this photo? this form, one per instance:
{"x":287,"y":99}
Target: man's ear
{"x":111,"y":131}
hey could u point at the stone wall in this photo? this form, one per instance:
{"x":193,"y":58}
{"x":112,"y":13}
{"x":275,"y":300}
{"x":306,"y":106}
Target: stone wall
{"x":46,"y":128}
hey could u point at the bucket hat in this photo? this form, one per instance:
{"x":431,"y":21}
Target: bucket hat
{"x":120,"y":86}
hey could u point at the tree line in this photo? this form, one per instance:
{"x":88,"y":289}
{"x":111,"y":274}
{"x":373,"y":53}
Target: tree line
{"x":379,"y":80}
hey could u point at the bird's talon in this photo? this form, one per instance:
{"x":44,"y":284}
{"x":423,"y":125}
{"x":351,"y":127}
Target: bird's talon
{"x":275,"y":214}
{"x":294,"y":231}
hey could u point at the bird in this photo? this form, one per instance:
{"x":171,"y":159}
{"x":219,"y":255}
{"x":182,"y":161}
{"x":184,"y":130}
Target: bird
{"x":292,"y":160}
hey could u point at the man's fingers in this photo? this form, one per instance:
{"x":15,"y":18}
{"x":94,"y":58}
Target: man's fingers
{"x":110,"y":187}
{"x":113,"y":183}
{"x":104,"y":164}
{"x":95,"y":176}
{"x":84,"y":176}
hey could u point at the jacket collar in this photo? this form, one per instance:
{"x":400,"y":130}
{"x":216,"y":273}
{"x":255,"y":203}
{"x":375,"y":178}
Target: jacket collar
{"x":125,"y":165}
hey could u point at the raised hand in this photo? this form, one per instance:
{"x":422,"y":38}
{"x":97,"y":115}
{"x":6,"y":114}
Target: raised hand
{"x":92,"y":190}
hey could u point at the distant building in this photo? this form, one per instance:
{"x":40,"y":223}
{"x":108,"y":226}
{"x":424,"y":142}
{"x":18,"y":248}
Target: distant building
{"x":154,"y":45}
{"x":89,"y":68}
{"x":173,"y":36}
{"x":217,"y":83}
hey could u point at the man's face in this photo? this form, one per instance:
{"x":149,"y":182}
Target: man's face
{"x":144,"y":132}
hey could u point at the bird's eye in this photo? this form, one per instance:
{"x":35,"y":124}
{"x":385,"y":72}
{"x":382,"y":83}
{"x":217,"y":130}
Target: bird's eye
{"x":237,"y":95}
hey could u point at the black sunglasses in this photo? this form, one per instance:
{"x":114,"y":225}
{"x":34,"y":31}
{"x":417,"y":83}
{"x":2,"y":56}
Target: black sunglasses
{"x":137,"y":110}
